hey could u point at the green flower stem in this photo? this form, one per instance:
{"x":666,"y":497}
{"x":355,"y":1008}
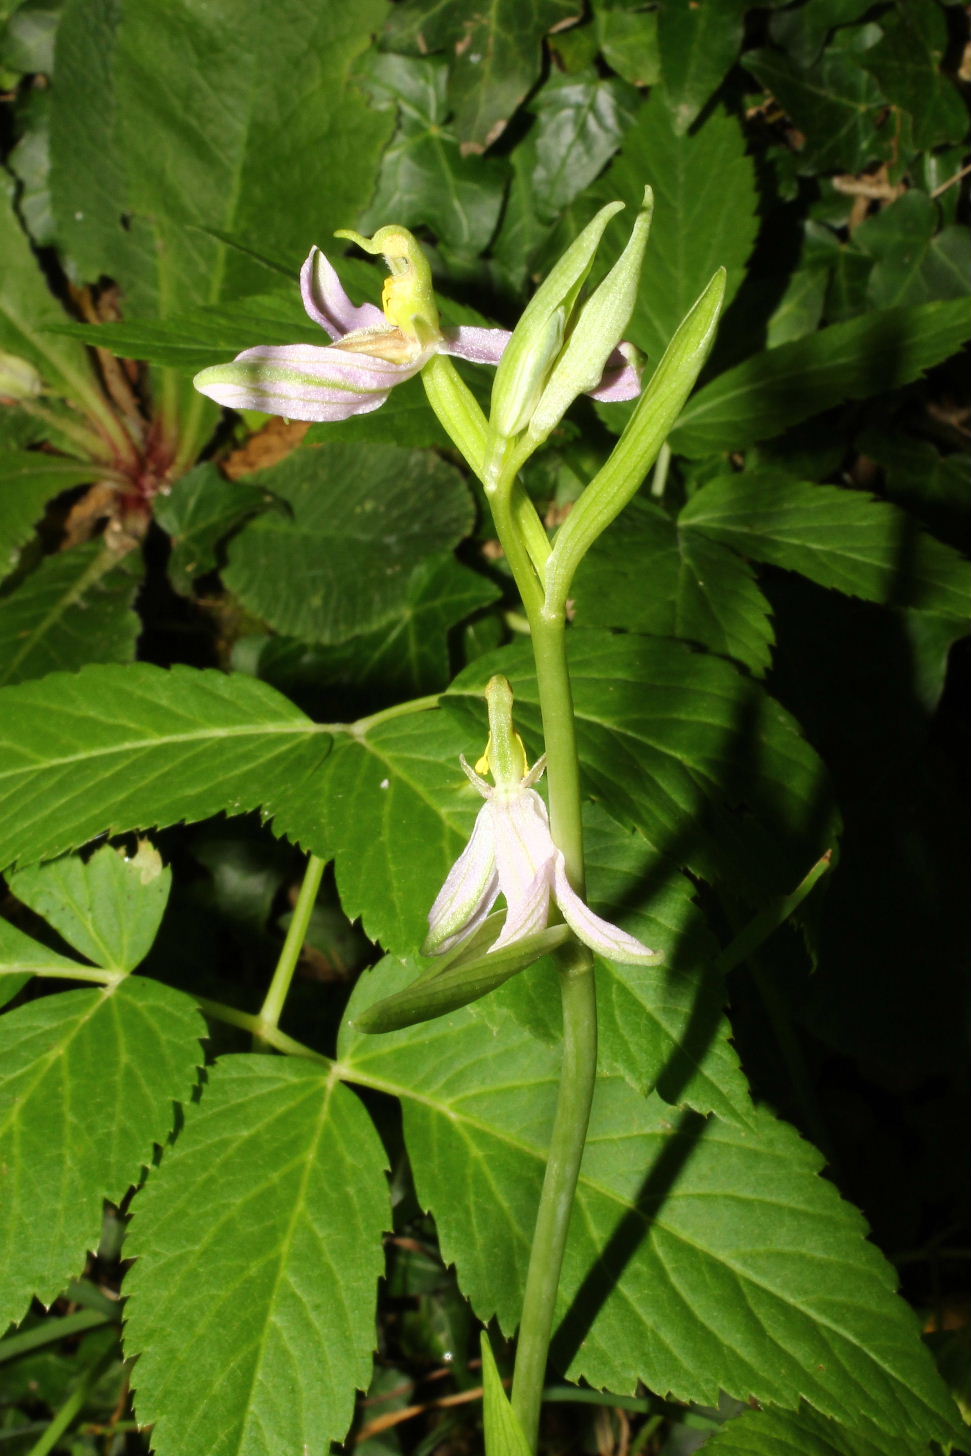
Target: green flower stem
{"x":272,"y":1008}
{"x":463,"y":421}
{"x":578,"y":1071}
{"x":578,"y":1076}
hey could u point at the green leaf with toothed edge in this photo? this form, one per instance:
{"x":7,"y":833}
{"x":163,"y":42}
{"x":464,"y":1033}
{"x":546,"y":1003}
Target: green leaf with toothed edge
{"x":653,"y":577}
{"x":843,"y":539}
{"x":794,"y":1433}
{"x":361,"y":518}
{"x":87,"y":1083}
{"x":76,"y":607}
{"x":176,"y":744}
{"x":108,"y":907}
{"x":702,"y":1255}
{"x":759,"y":398}
{"x":272,"y":1203}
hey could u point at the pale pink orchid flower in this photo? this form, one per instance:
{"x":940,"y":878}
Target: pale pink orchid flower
{"x":369,"y":355}
{"x":511,"y":852}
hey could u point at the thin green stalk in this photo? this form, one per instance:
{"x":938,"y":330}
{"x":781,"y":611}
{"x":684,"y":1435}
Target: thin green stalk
{"x":71,"y":1407}
{"x":65,"y":973}
{"x":762,"y":925}
{"x":272,"y":1008}
{"x":578,"y":1071}
{"x":578,"y":1075}
{"x":272,"y":1035}
{"x":387,"y":715}
{"x":54,"y":1330}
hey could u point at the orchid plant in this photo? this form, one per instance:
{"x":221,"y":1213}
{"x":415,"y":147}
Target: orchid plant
{"x":564,"y":345}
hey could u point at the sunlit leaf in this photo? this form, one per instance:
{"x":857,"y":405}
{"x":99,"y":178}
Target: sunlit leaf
{"x":258,"y":1247}
{"x":87,"y":1083}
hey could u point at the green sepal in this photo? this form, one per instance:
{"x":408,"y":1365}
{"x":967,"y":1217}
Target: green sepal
{"x":654,"y":417}
{"x":468,"y":976}
{"x":504,"y":1436}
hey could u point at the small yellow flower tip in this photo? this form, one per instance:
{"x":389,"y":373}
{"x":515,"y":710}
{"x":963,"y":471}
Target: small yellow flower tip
{"x":408,"y":298}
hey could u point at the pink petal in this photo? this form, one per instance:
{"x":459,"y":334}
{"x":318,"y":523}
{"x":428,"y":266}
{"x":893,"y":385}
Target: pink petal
{"x":621,"y":377}
{"x":482,"y":346}
{"x":469,"y":892}
{"x":303,"y":382}
{"x":327,"y":303}
{"x":530,"y":913}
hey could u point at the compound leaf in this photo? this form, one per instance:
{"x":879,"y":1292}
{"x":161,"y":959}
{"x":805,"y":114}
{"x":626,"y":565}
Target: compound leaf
{"x":113,"y":748}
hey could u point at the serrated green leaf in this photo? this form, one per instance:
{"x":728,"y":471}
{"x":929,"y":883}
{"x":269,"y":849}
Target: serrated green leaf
{"x":864,"y":356}
{"x":651,"y":576}
{"x":425,"y":179}
{"x":698,"y":43}
{"x":495,"y":54}
{"x":76,"y":607}
{"x":28,"y":480}
{"x":258,"y":1247}
{"x":236,"y":99}
{"x":843,"y":539}
{"x":113,"y":748}
{"x":788,"y":1433}
{"x":835,"y":105}
{"x":87,"y":1082}
{"x":362,"y":518}
{"x":704,"y":215}
{"x":665,"y":736}
{"x":199,"y":512}
{"x":108,"y":907}
{"x":702,"y":1255}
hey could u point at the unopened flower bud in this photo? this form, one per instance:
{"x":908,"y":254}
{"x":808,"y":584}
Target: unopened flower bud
{"x":537,"y":338}
{"x":597,"y":331}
